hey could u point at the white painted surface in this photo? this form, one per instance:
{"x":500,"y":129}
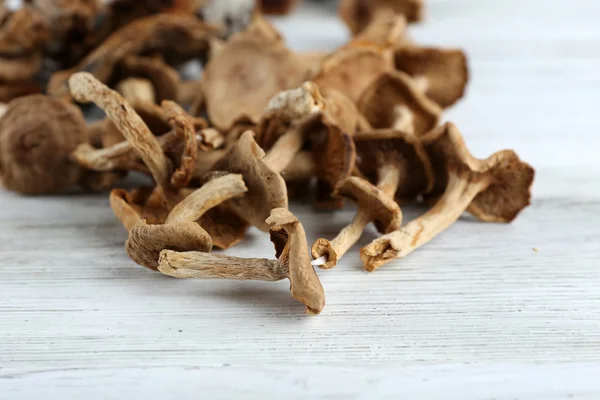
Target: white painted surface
{"x":477,"y":314}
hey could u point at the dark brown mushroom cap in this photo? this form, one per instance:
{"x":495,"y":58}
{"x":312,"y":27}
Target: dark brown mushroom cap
{"x":12,"y":90}
{"x":340,"y":110}
{"x":396,"y":89}
{"x":37,"y":136}
{"x":291,"y":248}
{"x":358,"y":14}
{"x":446,"y":71}
{"x":351,"y":70}
{"x":145,"y":241}
{"x":225,"y":227}
{"x":266,"y":188}
{"x":246,"y":73}
{"x":384,"y":211}
{"x":22,"y":31}
{"x":23,"y":68}
{"x":179,"y":35}
{"x":164,"y":78}
{"x":380,"y":147}
{"x":510,"y":179}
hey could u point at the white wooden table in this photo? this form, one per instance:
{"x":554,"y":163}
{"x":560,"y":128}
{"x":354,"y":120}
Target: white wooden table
{"x":483,"y":312}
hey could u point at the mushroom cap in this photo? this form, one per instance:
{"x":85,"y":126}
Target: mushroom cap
{"x":396,"y":89}
{"x":386,"y":29}
{"x":291,"y":248}
{"x":350,"y":70}
{"x":277,"y":7}
{"x":145,"y":241}
{"x":266,"y":188}
{"x":384,"y":211}
{"x":509,"y":190}
{"x":446,"y":71}
{"x":377,"y":148}
{"x":358,"y":14}
{"x":37,"y":136}
{"x":340,"y":110}
{"x":241,"y":78}
{"x":23,"y":31}
{"x":225,"y":227}
{"x":140,"y":203}
{"x":24,"y":68}
{"x":13,"y":90}
{"x":164,"y":78}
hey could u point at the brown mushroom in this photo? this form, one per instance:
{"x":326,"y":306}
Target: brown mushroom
{"x":397,"y":161}
{"x":277,"y":7}
{"x":15,"y":89}
{"x":163,"y":79}
{"x":266,"y":188}
{"x":442,"y":74}
{"x":23,"y":31}
{"x":293,"y":262}
{"x":137,"y":90}
{"x":386,"y":29}
{"x":180,"y":231}
{"x":241,"y":78}
{"x":358,"y":14}
{"x":394,"y":102}
{"x":495,"y":190}
{"x":374,"y":206}
{"x":169,"y":34}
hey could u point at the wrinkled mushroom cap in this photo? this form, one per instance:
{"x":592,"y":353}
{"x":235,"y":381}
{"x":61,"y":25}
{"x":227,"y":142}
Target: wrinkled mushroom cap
{"x":141,"y":203}
{"x":291,"y":248}
{"x":145,"y":241}
{"x":380,"y":101}
{"x":445,"y":70}
{"x":266,"y":188}
{"x":384,"y":211}
{"x":246,"y":73}
{"x":509,"y":190}
{"x":22,"y":31}
{"x":225,"y":227}
{"x":380,"y":147}
{"x":351,"y":70}
{"x":37,"y":136}
{"x":164,"y":78}
{"x":358,"y":14}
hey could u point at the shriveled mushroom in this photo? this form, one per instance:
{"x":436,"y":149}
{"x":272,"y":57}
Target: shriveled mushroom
{"x":358,"y":14}
{"x":170,"y":34}
{"x":37,"y":136}
{"x":180,"y":231}
{"x":442,"y":74}
{"x":385,"y":29}
{"x":15,"y":89}
{"x":136,"y":90}
{"x":374,"y":205}
{"x":293,"y":262}
{"x":252,"y":67}
{"x":393,"y":101}
{"x":494,"y":190}
{"x":278,"y":7}
{"x":396,"y":160}
{"x":266,"y":188}
{"x":23,"y":31}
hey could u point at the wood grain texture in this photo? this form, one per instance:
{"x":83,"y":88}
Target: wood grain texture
{"x":484,"y":311}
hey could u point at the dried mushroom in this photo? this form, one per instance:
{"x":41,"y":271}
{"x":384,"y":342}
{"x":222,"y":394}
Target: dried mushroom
{"x":279,"y":7}
{"x":494,"y":190}
{"x":293,"y":262}
{"x":394,"y":102}
{"x":23,"y":31}
{"x":164,"y":79}
{"x":170,"y":34}
{"x":374,"y":205}
{"x":358,"y":14}
{"x":442,"y":74}
{"x":180,"y":231}
{"x":241,"y":78}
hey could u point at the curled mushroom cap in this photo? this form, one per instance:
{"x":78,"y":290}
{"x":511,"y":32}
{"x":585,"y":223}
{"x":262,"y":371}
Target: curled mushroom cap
{"x":393,"y":101}
{"x":164,"y":78}
{"x":358,"y":14}
{"x":252,"y":67}
{"x":37,"y":136}
{"x":291,"y":248}
{"x":495,"y":189}
{"x":374,"y":205}
{"x":266,"y":188}
{"x":22,"y":31}
{"x":442,"y":73}
{"x":178,"y":35}
{"x":396,"y":160}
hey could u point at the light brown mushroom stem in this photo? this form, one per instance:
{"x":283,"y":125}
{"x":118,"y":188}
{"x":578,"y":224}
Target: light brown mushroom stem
{"x":285,"y":149}
{"x":137,"y":90}
{"x":200,"y":265}
{"x":210,"y":195}
{"x":459,"y":194}
{"x":351,"y":233}
{"x":403,"y":119}
{"x":389,"y":176}
{"x":303,"y":166}
{"x":421,"y":83}
{"x":85,"y":88}
{"x":3,"y":108}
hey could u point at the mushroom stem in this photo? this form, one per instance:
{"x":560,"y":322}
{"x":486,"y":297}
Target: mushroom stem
{"x":459,"y":194}
{"x":389,"y":176}
{"x":137,"y":90}
{"x":85,"y":88}
{"x":285,"y":149}
{"x":403,"y":119}
{"x":3,"y":108}
{"x":421,"y":83}
{"x":210,"y":195}
{"x":200,"y":265}
{"x":351,"y":233}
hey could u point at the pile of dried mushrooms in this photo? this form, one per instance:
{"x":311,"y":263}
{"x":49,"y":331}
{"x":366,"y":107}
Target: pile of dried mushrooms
{"x":228,"y":148}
